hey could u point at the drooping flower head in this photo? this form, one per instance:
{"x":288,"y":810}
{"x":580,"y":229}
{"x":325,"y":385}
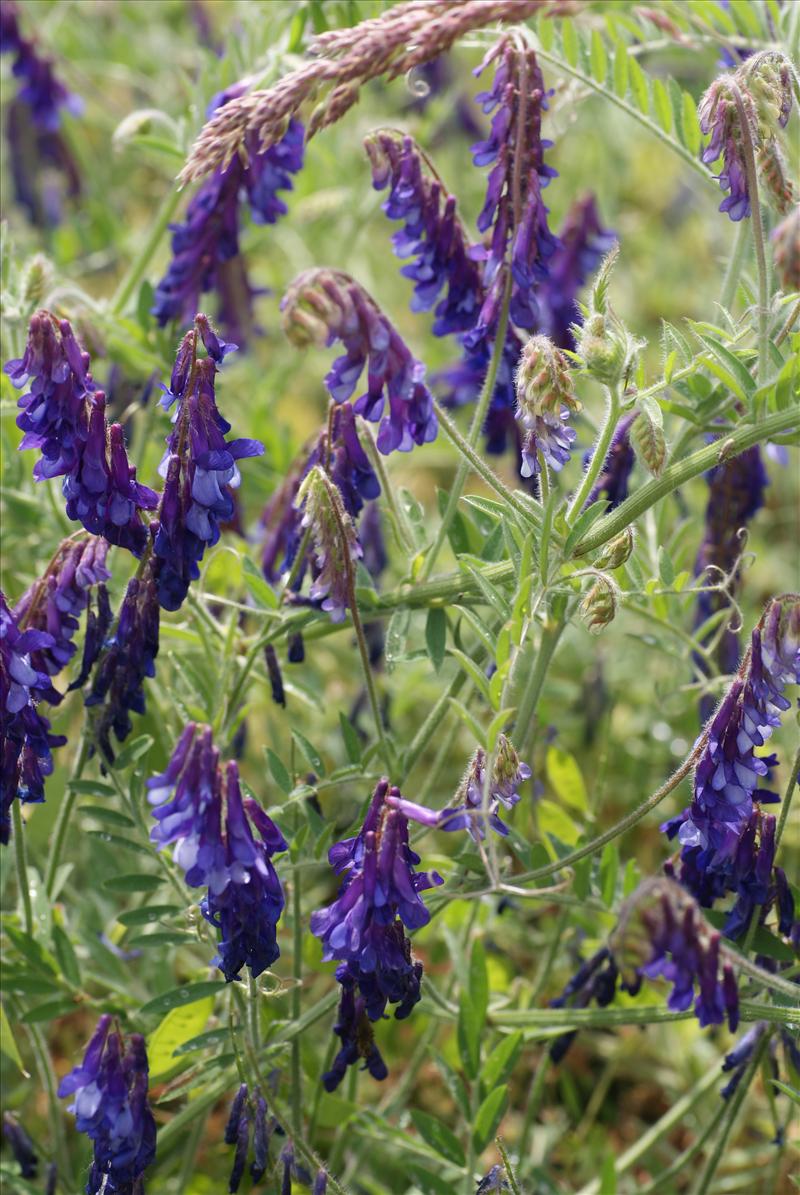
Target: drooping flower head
{"x":111,"y":1107}
{"x":27,"y":741}
{"x":38,"y":151}
{"x":467,"y":811}
{"x":720,"y":117}
{"x":364,"y":928}
{"x":786,"y":240}
{"x":63,"y":415}
{"x":735,"y":495}
{"x":514,"y":217}
{"x":117,"y":688}
{"x":338,"y":450}
{"x":200,"y":810}
{"x":354,"y":1029}
{"x":206,"y":253}
{"x":199,"y":466}
{"x":247,"y":1110}
{"x":336,"y":547}
{"x":432,"y":233}
{"x":324,"y":306}
{"x":545,"y":400}
{"x":55,"y":602}
{"x":727,"y":841}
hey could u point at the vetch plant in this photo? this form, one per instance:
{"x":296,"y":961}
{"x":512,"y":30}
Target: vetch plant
{"x":335,"y":726}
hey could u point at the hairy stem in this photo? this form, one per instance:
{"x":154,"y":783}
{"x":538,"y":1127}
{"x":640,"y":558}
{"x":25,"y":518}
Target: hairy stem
{"x":529,"y":699}
{"x":598,"y":456}
{"x":481,"y":468}
{"x":706,"y":1176}
{"x":21,"y":861}
{"x":63,"y":819}
{"x":140,"y":263}
{"x":758,"y":229}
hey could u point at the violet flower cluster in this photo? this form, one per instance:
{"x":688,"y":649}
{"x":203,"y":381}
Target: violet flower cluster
{"x":249,"y":1112}
{"x":205,"y":247}
{"x":36,"y":144}
{"x":735,"y":495}
{"x":364,"y":929}
{"x":111,"y":1107}
{"x":467,"y":811}
{"x":326,"y":306}
{"x":545,"y":399}
{"x":200,"y":810}
{"x":727,"y":841}
{"x":199,"y":467}
{"x":63,"y":416}
{"x":338,"y":450}
{"x":27,"y":739}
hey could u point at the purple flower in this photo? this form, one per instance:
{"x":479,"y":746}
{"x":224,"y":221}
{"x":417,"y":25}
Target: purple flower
{"x":719,"y":116}
{"x":582,"y":245}
{"x":612,"y":481}
{"x":27,"y":741}
{"x":129,"y":657}
{"x":727,"y":842}
{"x":336,"y":547}
{"x":244,"y":1111}
{"x":199,"y":467}
{"x":200,"y":810}
{"x":594,"y":981}
{"x":545,"y":400}
{"x":365,"y":926}
{"x":736,"y":494}
{"x":514,"y":217}
{"x":432,"y":234}
{"x":467,"y":810}
{"x":326,"y":306}
{"x":338,"y":449}
{"x":55,"y":602}
{"x":33,"y":125}
{"x":63,"y":415}
{"x":21,"y":1146}
{"x":205,"y":247}
{"x":111,"y":1107}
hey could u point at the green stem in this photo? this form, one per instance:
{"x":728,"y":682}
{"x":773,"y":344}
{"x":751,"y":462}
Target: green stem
{"x":297,"y":962}
{"x":255,"y":1013}
{"x":680,"y":1162}
{"x":63,"y":819}
{"x":523,"y":724}
{"x":552,"y":1021}
{"x":48,"y":1080}
{"x":794,"y":314}
{"x":479,"y":465}
{"x":663,"y":1126}
{"x":732,"y":1111}
{"x":399,"y":519}
{"x":787,"y":801}
{"x":758,"y":228}
{"x":679,"y":473}
{"x":766,"y":978}
{"x":623,"y":825}
{"x":194,"y":1137}
{"x":533,"y":1104}
{"x":510,"y":1175}
{"x":469,"y":1169}
{"x":478,"y":419}
{"x":140,"y":263}
{"x":598,"y":456}
{"x":21,"y":861}
{"x":733,"y":272}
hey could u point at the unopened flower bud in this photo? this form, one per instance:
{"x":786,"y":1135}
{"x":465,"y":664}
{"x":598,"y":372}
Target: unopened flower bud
{"x":37,"y":278}
{"x":543,"y":378}
{"x":602,"y":346}
{"x":616,"y":551}
{"x":647,"y":437}
{"x":774,"y":176}
{"x":786,"y":238}
{"x":599,"y":606}
{"x":336,"y":546}
{"x":768,"y":78}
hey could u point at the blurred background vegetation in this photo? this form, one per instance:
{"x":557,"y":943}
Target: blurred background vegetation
{"x":622,"y":706}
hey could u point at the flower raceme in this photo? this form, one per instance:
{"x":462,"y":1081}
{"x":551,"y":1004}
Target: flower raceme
{"x":336,"y":547}
{"x":727,"y":841}
{"x":364,"y":928}
{"x":199,"y":809}
{"x":63,"y":415}
{"x":111,"y":1107}
{"x":545,"y":399}
{"x":324,"y":306}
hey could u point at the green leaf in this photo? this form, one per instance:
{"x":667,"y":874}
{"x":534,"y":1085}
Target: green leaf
{"x":556,"y":821}
{"x":565,"y":778}
{"x":148,"y":915}
{"x":499,"y":1065}
{"x":67,"y":959}
{"x":690,"y":125}
{"x":8,"y":1042}
{"x":180,"y":997}
{"x":50,"y":1011}
{"x":415,"y":514}
{"x":279,"y":771}
{"x":133,"y":883}
{"x":479,"y":980}
{"x":468,"y":1032}
{"x":666,"y":569}
{"x":92,"y":788}
{"x":608,"y":1175}
{"x":132,"y":751}
{"x":569,"y":41}
{"x":583,"y":523}
{"x":101,"y":814}
{"x":212,"y":1037}
{"x":117,"y":842}
{"x":429,"y":1184}
{"x":396,"y":638}
{"x":260,"y":590}
{"x":598,"y":57}
{"x":740,"y":379}
{"x":167,"y":937}
{"x":793,"y":1095}
{"x":310,"y":752}
{"x":621,"y":70}
{"x":436,"y":635}
{"x":469,"y":720}
{"x":609,"y":870}
{"x":438,"y":1136}
{"x":178,"y":1026}
{"x":662,"y":106}
{"x":473,"y":670}
{"x":489,"y":1115}
{"x":639,"y":88}
{"x":352,"y":743}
